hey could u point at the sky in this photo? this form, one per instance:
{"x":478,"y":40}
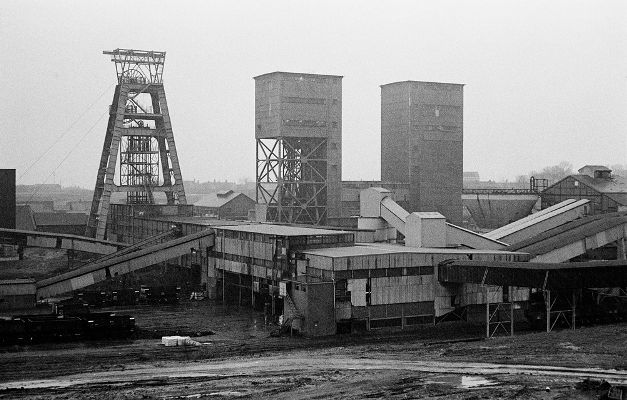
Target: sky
{"x":545,"y":81}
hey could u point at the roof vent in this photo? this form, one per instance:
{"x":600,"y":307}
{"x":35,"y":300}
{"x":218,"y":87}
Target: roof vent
{"x":224,"y":193}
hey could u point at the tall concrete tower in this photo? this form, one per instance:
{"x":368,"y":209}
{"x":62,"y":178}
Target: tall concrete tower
{"x":422,"y":143}
{"x":139,"y":135}
{"x":7,"y":198}
{"x":298,"y":129}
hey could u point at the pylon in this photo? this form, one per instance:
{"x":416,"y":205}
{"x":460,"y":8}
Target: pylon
{"x":139,"y":125}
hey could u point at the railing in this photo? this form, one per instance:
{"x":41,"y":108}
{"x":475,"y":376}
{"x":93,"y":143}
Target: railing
{"x":499,"y":191}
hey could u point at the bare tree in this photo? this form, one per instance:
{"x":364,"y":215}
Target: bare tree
{"x":554,"y":173}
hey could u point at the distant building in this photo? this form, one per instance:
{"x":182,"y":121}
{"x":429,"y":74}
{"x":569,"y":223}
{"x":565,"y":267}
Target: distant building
{"x":471,"y":176}
{"x":37,"y":205}
{"x":606,"y":192}
{"x":24,"y":219}
{"x":224,"y":205}
{"x":60,"y":222}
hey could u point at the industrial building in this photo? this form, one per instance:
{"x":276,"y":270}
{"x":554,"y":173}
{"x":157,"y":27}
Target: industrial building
{"x":396,"y":257}
{"x":422,"y":144}
{"x":607,"y":193}
{"x":298,"y":132}
{"x":61,"y":222}
{"x":17,"y":294}
{"x":298,"y":129}
{"x":226,"y":204}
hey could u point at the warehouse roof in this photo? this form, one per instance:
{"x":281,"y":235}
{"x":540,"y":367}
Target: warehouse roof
{"x":282,"y":230}
{"x":219,"y":199}
{"x":385,"y":248}
{"x":530,"y":220}
{"x":616,"y":184}
{"x":569,"y":232}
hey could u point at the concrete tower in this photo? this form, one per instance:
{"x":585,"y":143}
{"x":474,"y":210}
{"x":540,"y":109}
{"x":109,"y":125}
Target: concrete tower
{"x":139,"y":135}
{"x":422,"y":144}
{"x":298,"y":129}
{"x":7,"y":198}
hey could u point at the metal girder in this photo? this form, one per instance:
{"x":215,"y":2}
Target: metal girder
{"x":292,"y":179}
{"x":567,"y":312}
{"x":499,"y":316}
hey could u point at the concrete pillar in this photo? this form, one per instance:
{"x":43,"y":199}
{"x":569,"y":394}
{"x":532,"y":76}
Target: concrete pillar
{"x":621,"y":249}
{"x":547,"y":299}
{"x":511,"y":311}
{"x":252,"y":292}
{"x":574,"y":310}
{"x":487,"y":312}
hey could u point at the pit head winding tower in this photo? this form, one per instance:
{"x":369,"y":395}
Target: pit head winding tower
{"x":138,"y":140}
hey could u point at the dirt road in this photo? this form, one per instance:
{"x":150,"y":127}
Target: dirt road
{"x":316,"y":374}
{"x":241,"y":360}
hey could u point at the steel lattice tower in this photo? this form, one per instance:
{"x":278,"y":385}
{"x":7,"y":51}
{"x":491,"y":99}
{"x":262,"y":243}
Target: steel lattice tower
{"x":139,"y":134}
{"x":298,"y":131}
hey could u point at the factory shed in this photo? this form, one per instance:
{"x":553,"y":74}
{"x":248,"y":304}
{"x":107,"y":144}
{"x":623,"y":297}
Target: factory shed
{"x":17,"y":294}
{"x":224,"y":205}
{"x":68,"y":223}
{"x":607,"y":193}
{"x":385,"y":286}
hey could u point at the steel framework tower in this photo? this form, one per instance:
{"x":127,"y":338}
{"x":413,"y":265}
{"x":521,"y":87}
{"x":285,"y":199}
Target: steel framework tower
{"x":139,"y":134}
{"x":298,"y":131}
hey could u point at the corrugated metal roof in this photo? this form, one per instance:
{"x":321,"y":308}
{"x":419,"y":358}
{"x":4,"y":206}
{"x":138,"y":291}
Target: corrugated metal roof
{"x":51,"y":218}
{"x":281,"y":230}
{"x":569,"y":233}
{"x":594,"y":168}
{"x":386,"y":248}
{"x":532,"y":219}
{"x":217,"y":200}
{"x":616,"y":184}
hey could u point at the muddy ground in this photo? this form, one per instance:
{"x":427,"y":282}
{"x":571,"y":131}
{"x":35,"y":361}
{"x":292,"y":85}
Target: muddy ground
{"x":239,"y":359}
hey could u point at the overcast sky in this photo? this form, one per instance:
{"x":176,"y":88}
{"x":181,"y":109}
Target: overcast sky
{"x":546,"y":81}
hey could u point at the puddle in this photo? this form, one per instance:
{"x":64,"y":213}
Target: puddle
{"x":468,"y":382}
{"x":462,"y":381}
{"x":227,"y":393}
{"x":569,"y":345}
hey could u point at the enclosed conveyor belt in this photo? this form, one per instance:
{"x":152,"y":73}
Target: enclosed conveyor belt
{"x":159,"y":238}
{"x":58,"y":241}
{"x":575,"y":238}
{"x":125,"y":263}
